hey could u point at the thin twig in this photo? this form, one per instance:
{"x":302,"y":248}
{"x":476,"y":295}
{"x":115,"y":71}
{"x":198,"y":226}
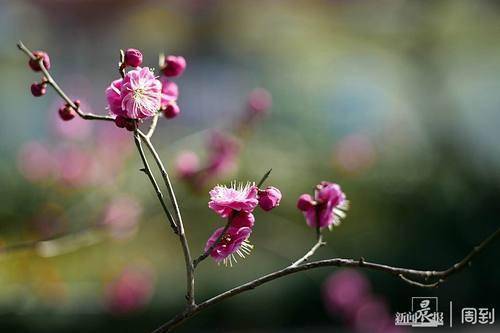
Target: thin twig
{"x":263,"y":179}
{"x":206,"y":253}
{"x":152,"y":127}
{"x":60,"y":92}
{"x":311,"y":252}
{"x":402,"y":273}
{"x":182,"y":236}
{"x":147,"y":171}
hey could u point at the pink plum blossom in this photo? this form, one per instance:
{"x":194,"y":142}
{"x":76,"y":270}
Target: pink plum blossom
{"x":38,"y":89}
{"x":259,"y":101}
{"x":223,"y":149}
{"x":345,"y":291}
{"x":133,"y":57}
{"x":224,"y":200}
{"x":174,"y":66}
{"x":233,"y":241}
{"x":122,"y":216}
{"x":187,"y":164}
{"x":269,"y":198}
{"x":169,"y":91}
{"x":35,"y":161}
{"x":45,"y":60}
{"x":136,"y":96}
{"x":327,"y":207}
{"x":131,"y":290}
{"x":242,"y":219}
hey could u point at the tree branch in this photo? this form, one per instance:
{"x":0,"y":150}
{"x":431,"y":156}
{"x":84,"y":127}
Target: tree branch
{"x":152,"y":127}
{"x":147,"y":171}
{"x":60,"y":92}
{"x":311,"y":252}
{"x":180,"y":227}
{"x":441,"y":276}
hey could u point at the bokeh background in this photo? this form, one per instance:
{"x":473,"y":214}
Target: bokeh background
{"x":397,"y":101}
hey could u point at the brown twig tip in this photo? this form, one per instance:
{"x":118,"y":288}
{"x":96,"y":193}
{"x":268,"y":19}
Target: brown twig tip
{"x":263,"y":179}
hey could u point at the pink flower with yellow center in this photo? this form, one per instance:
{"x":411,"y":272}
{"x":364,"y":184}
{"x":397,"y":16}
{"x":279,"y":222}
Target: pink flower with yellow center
{"x":234,"y":240}
{"x":326,"y":208}
{"x":224,"y":200}
{"x":138,"y":95}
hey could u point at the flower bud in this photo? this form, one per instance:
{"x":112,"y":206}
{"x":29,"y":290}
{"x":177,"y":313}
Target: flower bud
{"x":269,"y":198}
{"x":171,"y":110}
{"x":133,"y":58}
{"x":305,"y":202}
{"x":259,"y":101}
{"x":174,"y":66}
{"x":38,"y":89}
{"x":120,"y":121}
{"x":66,"y":112}
{"x":39,"y":55}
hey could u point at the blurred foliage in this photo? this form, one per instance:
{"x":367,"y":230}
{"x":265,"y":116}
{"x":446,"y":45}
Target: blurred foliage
{"x":397,"y":101}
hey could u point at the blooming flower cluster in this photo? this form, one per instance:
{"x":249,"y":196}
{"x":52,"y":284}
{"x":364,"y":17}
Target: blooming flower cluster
{"x":326,"y":208}
{"x":237,"y":203}
{"x":139,"y":94}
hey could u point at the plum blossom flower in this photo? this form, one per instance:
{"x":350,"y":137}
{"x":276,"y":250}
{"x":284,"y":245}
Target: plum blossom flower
{"x":224,"y":200}
{"x":33,"y":63}
{"x":169,"y":91}
{"x":131,"y":290}
{"x":327,"y":207}
{"x":136,"y":96}
{"x":174,"y":66}
{"x":133,"y":57}
{"x":269,"y":198}
{"x":234,"y":240}
{"x":242,"y":219}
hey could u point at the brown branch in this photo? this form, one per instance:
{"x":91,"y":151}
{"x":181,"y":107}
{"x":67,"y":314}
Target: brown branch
{"x":205,"y":254}
{"x":180,"y":226}
{"x":152,"y":127}
{"x":147,"y":171}
{"x":403,"y":273}
{"x":311,"y":252}
{"x":60,"y":92}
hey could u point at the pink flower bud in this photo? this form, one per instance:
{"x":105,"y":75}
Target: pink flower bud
{"x":305,"y":202}
{"x":269,"y":198}
{"x":38,"y":89}
{"x":66,"y":112}
{"x":133,"y":58}
{"x":39,"y":55}
{"x":174,"y":66}
{"x":120,"y":121}
{"x":171,"y":110}
{"x":259,"y":101}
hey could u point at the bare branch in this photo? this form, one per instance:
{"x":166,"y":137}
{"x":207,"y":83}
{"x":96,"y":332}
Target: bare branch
{"x":263,"y":179}
{"x":60,"y":92}
{"x":402,"y":273}
{"x":205,"y":254}
{"x":147,"y":171}
{"x":152,"y":127}
{"x":311,"y":252}
{"x":180,"y":227}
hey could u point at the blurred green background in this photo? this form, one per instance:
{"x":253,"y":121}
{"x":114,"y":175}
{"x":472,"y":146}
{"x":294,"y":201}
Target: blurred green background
{"x":397,"y":101}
